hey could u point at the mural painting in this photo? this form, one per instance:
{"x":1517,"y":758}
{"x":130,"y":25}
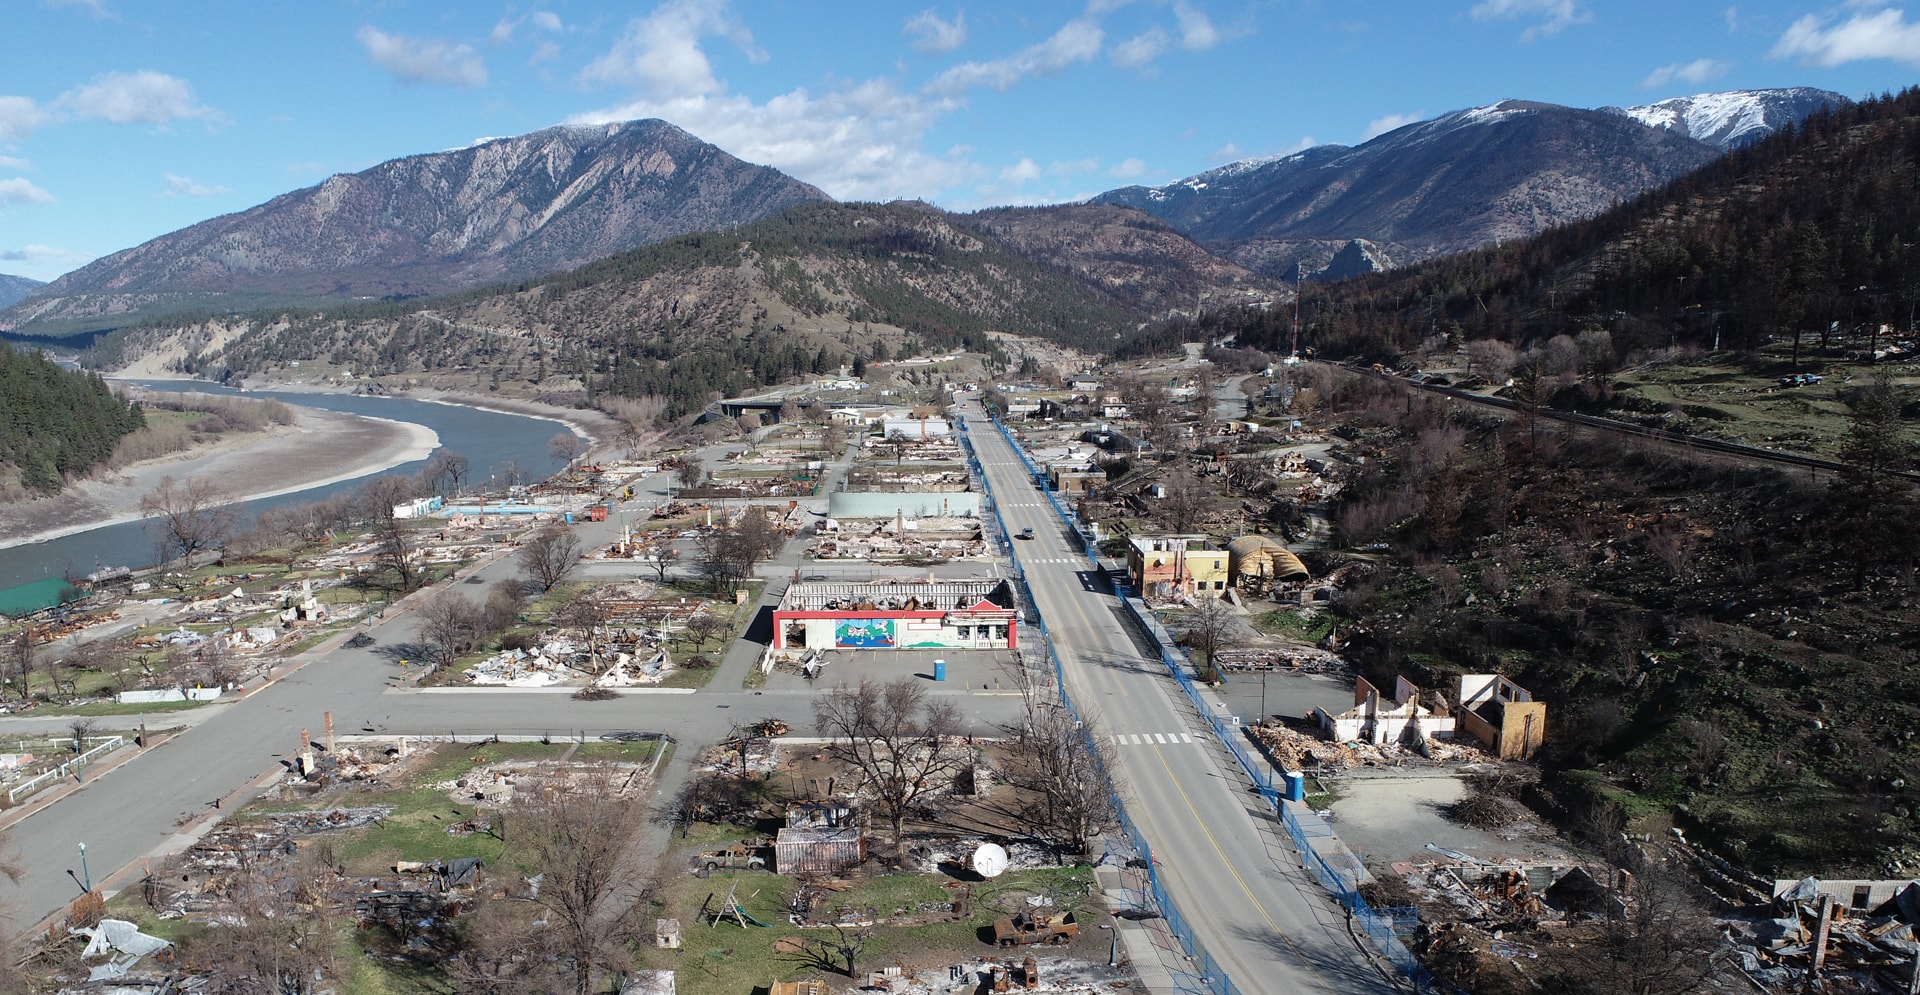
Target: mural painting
{"x":863,"y":633}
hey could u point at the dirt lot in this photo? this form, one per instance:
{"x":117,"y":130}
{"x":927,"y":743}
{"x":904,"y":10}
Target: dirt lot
{"x":1390,"y":817}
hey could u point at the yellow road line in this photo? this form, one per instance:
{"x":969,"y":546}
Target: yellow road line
{"x":1228,"y":864}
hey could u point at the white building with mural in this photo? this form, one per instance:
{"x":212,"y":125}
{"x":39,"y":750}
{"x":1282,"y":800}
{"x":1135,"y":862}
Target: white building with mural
{"x":946,"y":614}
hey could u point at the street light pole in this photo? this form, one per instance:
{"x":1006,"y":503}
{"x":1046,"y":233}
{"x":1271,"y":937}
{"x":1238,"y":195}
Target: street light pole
{"x":86,"y":875}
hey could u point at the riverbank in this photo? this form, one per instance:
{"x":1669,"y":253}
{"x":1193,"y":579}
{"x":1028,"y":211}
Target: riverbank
{"x":590,"y":424}
{"x":321,"y":447}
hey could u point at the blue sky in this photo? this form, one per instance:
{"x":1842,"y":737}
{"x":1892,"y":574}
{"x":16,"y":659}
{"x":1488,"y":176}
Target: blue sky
{"x":121,"y":120}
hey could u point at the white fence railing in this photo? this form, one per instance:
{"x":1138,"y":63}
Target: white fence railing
{"x":107,"y":744}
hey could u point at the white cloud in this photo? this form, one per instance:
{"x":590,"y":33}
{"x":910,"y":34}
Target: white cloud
{"x":1227,"y":153}
{"x":661,"y":54}
{"x":858,"y":142}
{"x":1552,"y":15}
{"x":143,"y":97}
{"x":546,"y":51}
{"x":10,"y":162}
{"x":1077,"y":41}
{"x":1139,"y":50}
{"x":1072,"y":167}
{"x":42,"y":253}
{"x":1129,"y":167}
{"x":19,"y":116}
{"x":1696,"y":72}
{"x":1024,"y":171}
{"x":504,"y":30}
{"x":19,"y":191}
{"x":931,"y":34}
{"x":1732,"y":17}
{"x":424,"y":60}
{"x":1883,"y":34}
{"x":1197,"y":33}
{"x":185,"y":186}
{"x":1381,"y":125}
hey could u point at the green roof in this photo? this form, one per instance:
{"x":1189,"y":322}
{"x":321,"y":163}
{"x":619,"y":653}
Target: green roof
{"x":47,"y":592}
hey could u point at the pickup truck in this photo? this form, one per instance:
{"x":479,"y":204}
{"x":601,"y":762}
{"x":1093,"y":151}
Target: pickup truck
{"x":1027,"y":927}
{"x":732,"y":857}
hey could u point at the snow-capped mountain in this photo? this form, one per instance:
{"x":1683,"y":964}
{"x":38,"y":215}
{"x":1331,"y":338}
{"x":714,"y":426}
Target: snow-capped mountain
{"x":1468,"y":178}
{"x":1735,"y":118}
{"x":1485,"y":174}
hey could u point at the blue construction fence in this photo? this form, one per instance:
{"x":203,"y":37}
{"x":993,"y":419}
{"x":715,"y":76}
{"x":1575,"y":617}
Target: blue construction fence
{"x":1384,"y":927}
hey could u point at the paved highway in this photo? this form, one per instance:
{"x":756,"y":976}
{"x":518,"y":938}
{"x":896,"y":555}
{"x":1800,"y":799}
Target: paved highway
{"x":1224,"y":860}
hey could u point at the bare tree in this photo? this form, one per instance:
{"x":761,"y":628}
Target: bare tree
{"x":1069,"y":802}
{"x":1148,"y":405}
{"x":901,"y":742}
{"x":395,"y":550}
{"x":726,"y":555}
{"x":689,"y":469}
{"x":664,"y":556}
{"x":506,"y":599}
{"x":577,"y":837}
{"x":1662,"y":943}
{"x":703,"y":627}
{"x":547,"y":557}
{"x":565,"y":447}
{"x":1490,"y":359}
{"x":1209,"y":627}
{"x":21,"y":660}
{"x":845,"y":945}
{"x":451,"y":625}
{"x":638,"y":418}
{"x":1186,"y":503}
{"x":446,"y":471}
{"x":588,"y":614}
{"x":189,"y":517}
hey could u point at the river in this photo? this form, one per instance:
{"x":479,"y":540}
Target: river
{"x":488,"y":439}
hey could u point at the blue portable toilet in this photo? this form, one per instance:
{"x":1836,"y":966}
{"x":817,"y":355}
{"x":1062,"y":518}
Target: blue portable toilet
{"x":939,"y":670}
{"x":1296,"y":785}
{"x":569,"y":518}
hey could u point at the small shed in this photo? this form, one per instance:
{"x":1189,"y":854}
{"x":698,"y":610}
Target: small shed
{"x":819,"y":851}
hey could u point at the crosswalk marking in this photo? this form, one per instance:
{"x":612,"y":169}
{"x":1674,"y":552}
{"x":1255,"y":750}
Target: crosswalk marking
{"x":1150,"y":739}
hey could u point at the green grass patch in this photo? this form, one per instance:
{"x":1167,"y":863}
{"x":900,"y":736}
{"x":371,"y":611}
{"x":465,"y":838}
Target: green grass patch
{"x":114,"y":708}
{"x":1308,"y":627}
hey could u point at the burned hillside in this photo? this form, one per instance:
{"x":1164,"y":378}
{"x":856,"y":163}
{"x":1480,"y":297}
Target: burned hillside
{"x":1730,"y":650}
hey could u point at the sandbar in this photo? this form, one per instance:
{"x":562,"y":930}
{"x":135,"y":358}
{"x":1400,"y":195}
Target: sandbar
{"x":321,"y":447}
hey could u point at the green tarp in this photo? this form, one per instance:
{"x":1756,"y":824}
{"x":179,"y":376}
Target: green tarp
{"x":37,"y":596}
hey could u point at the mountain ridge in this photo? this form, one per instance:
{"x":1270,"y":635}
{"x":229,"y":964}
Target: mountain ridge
{"x":1458,"y":181}
{"x":506,"y":208}
{"x":13,"y":288}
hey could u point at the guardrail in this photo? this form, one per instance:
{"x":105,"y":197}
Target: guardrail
{"x":1383,"y":927}
{"x":70,"y":767}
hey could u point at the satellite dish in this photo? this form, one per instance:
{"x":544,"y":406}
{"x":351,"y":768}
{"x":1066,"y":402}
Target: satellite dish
{"x":990,"y":860}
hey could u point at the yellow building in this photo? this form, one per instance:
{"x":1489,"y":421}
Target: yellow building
{"x":1164,"y":567}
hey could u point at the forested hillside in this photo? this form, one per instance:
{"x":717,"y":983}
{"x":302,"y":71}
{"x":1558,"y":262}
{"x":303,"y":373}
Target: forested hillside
{"x":1812,"y":226}
{"x":801,"y":293}
{"x":56,"y":423}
